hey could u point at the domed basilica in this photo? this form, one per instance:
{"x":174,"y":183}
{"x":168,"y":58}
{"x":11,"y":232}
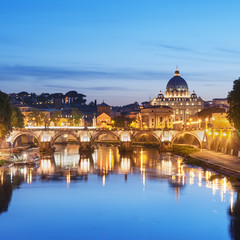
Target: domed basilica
{"x":177,"y":96}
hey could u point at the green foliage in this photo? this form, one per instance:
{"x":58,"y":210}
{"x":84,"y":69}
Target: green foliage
{"x":75,"y":120}
{"x":234,"y":105}
{"x":37,"y":118}
{"x":5,"y":115}
{"x":122,"y":122}
{"x":184,"y":151}
{"x":17,"y":118}
{"x":193,"y":161}
{"x":56,"y":117}
{"x":3,"y":162}
{"x":216,"y":176}
{"x":207,"y":112}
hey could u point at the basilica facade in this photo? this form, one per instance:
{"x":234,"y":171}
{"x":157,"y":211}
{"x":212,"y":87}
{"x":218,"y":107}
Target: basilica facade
{"x":178,"y":97}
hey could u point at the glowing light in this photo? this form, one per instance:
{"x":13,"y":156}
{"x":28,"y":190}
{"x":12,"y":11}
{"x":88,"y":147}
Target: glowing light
{"x":2,"y":178}
{"x":125,"y":138}
{"x":68,"y":176}
{"x":29,"y":177}
{"x":125,"y":165}
{"x":177,"y":122}
{"x":58,"y":127}
{"x":103,"y":180}
{"x":231,"y":202}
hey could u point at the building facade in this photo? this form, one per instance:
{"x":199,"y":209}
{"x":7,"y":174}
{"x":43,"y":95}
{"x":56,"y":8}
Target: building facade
{"x":178,"y":97}
{"x":156,"y":117}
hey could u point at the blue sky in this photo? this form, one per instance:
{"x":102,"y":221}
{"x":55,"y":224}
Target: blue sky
{"x":119,"y":51}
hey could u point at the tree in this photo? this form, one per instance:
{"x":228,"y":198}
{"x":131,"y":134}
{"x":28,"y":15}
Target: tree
{"x":76,"y":118}
{"x":37,"y":118}
{"x":122,"y":122}
{"x":234,"y":105}
{"x":17,"y":118}
{"x":56,"y":117}
{"x":5,"y":115}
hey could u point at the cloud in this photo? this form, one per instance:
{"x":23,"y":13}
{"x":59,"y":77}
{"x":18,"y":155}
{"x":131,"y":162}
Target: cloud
{"x":231,"y":51}
{"x":96,"y":88}
{"x":175,"y":48}
{"x":168,"y":46}
{"x":43,"y":74}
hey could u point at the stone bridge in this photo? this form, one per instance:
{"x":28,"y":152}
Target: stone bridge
{"x":91,"y":135}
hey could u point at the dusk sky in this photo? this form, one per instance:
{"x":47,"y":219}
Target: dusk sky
{"x":120,"y":51}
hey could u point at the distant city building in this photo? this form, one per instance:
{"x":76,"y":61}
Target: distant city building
{"x":220,"y":102}
{"x":103,"y":115}
{"x":104,"y":120}
{"x":178,"y":97}
{"x":103,"y":108}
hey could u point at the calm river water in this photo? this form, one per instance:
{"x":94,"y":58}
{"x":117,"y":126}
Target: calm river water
{"x":107,"y":196}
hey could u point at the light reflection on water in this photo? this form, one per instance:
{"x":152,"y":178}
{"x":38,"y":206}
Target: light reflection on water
{"x":120,"y":177}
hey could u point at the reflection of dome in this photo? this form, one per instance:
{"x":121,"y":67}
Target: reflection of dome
{"x":177,"y":83}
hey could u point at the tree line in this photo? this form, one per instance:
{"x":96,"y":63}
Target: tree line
{"x":234,"y":105}
{"x":9,"y":116}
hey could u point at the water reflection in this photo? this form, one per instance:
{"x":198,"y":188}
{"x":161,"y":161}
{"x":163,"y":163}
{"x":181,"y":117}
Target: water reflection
{"x":67,"y":165}
{"x":105,"y":160}
{"x":234,"y":213}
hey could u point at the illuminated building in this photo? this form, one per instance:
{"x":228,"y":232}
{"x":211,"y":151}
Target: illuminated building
{"x":178,"y":97}
{"x":104,"y":120}
{"x":156,"y":117}
{"x":103,"y":115}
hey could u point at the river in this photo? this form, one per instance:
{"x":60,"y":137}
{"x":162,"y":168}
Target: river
{"x":144,"y":195}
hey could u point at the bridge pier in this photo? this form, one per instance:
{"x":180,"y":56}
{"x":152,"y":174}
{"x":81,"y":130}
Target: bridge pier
{"x":125,"y":146}
{"x":85,"y":147}
{"x":46,"y":147}
{"x":165,"y":146}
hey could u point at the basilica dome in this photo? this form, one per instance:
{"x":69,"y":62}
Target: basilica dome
{"x":177,"y":83}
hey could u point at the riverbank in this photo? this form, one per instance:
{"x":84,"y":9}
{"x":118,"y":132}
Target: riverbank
{"x":222,"y":162}
{"x":219,"y":162}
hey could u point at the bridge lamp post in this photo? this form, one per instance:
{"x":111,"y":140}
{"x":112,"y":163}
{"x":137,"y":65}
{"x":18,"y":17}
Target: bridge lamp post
{"x":199,"y":123}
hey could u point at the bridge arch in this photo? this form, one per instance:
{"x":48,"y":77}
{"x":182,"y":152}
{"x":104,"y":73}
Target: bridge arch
{"x":58,"y":134}
{"x":184,"y":134}
{"x":145,"y":136}
{"x":27,"y":133}
{"x":105,"y":132}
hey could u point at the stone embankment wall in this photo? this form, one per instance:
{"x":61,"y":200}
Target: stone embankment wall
{"x":226,"y":142}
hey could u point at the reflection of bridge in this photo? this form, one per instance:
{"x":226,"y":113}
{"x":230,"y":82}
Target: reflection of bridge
{"x":48,"y":136}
